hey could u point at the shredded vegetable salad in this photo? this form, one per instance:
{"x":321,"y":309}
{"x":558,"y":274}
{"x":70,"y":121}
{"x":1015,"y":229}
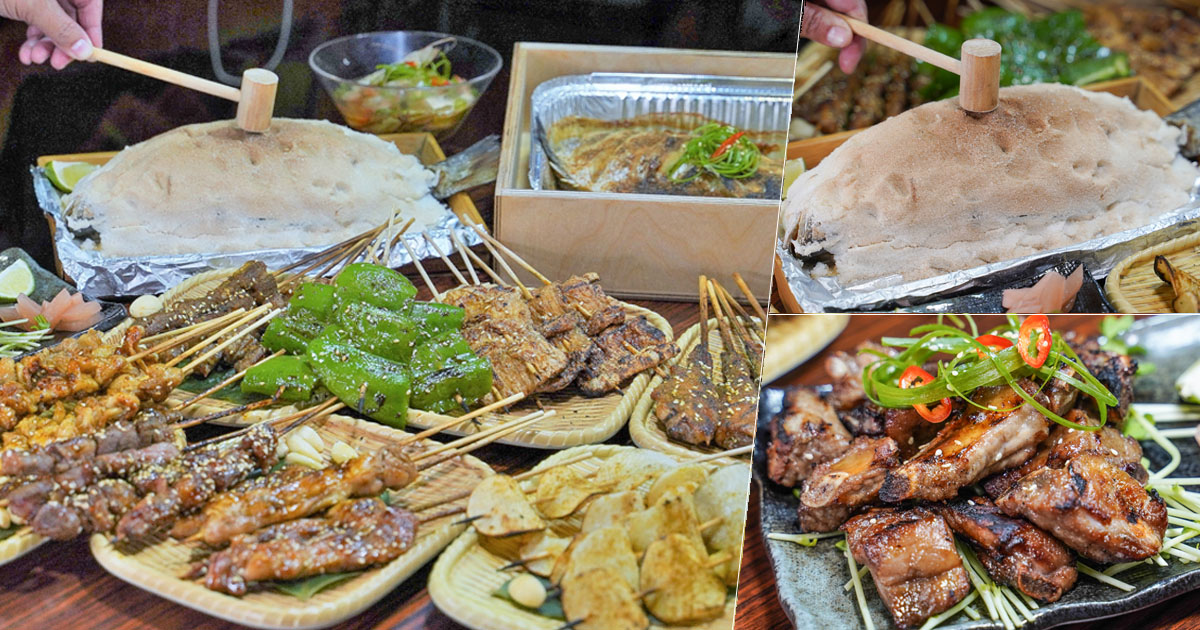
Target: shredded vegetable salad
{"x":968,"y":360}
{"x":434,"y":72}
{"x":717,"y":149}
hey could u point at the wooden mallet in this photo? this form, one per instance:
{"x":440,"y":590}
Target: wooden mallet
{"x":978,"y":72}
{"x":255,"y":99}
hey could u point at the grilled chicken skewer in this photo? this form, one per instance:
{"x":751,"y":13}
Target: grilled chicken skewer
{"x":738,"y":389}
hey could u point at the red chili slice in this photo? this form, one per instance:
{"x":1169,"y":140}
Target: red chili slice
{"x":1040,"y":324}
{"x":915,"y":376}
{"x":992,"y":341}
{"x":725,"y":145}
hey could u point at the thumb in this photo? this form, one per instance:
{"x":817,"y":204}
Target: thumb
{"x":61,"y":28}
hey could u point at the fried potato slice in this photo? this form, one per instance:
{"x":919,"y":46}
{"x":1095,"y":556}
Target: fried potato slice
{"x":562,"y":490}
{"x":724,"y":495}
{"x":679,"y":588}
{"x":685,"y":478}
{"x":629,"y":469}
{"x":612,"y":509}
{"x":675,"y":513}
{"x":601,"y":600}
{"x":541,"y":551}
{"x":500,"y":508}
{"x":605,"y":547}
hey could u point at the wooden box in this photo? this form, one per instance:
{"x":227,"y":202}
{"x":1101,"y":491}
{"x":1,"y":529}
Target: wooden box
{"x":422,"y":145}
{"x":643,"y":246}
{"x":813,"y":150}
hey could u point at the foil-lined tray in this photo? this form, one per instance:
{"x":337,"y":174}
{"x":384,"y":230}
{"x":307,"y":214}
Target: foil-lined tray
{"x":101,"y":276}
{"x":1100,"y":255}
{"x":760,"y":105}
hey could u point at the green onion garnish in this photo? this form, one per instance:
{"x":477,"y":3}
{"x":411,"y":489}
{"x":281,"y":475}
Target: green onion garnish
{"x":718,"y":149}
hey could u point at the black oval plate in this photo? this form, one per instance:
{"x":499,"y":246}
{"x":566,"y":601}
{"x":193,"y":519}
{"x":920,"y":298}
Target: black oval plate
{"x":810,"y":579}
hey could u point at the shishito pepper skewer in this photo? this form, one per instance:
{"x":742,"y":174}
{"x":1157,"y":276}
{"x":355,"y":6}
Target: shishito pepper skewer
{"x":223,"y":384}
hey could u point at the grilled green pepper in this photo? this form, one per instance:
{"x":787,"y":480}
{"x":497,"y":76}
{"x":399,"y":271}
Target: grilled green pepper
{"x":380,"y":331}
{"x":445,"y":369}
{"x":373,"y":284}
{"x":292,"y":331}
{"x":369,"y":384}
{"x":435,"y":319}
{"x":314,"y":297}
{"x":291,"y":373}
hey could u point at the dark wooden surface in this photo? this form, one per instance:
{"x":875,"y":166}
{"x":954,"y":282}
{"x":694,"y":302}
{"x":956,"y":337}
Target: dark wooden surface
{"x":59,"y":585}
{"x":758,"y":601}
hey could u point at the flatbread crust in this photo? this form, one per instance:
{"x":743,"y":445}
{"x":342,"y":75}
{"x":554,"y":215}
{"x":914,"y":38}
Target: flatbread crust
{"x":936,"y":189}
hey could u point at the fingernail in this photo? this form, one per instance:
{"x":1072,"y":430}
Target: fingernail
{"x":839,"y":36}
{"x":81,"y":49}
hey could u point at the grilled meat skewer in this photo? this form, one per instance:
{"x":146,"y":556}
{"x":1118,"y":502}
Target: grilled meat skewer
{"x":685,"y":402}
{"x":622,"y":352}
{"x":354,"y":534}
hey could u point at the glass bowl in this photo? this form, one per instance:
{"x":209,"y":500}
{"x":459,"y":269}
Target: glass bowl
{"x":439,"y":110}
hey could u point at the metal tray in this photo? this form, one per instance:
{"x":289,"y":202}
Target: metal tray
{"x":754,"y":104}
{"x":810,"y":579}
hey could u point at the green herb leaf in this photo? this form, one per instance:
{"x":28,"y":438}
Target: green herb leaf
{"x":551,"y":608}
{"x":737,"y":161}
{"x":305,"y":588}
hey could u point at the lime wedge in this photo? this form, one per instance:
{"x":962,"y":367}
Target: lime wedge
{"x":15,"y":279}
{"x":65,"y":175}
{"x":791,"y":170}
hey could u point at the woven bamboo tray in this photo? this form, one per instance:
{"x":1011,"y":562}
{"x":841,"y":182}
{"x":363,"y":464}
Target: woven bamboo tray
{"x":466,"y":574}
{"x":1132,"y":285}
{"x":644,"y":426}
{"x":156,"y":567}
{"x":794,"y":339}
{"x":578,"y":419}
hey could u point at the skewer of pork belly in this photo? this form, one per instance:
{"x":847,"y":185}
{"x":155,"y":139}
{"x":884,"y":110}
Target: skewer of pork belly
{"x":686,"y":402}
{"x":1013,"y":551}
{"x":752,"y":343}
{"x":353,"y":535}
{"x":996,"y":433}
{"x":738,"y":389}
{"x":284,"y":497}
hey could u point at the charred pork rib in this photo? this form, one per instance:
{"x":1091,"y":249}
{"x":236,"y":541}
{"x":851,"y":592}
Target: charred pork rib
{"x":838,"y":488}
{"x":806,"y":434}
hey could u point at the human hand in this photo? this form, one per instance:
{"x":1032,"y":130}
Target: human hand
{"x":822,"y":26}
{"x":59,"y":30}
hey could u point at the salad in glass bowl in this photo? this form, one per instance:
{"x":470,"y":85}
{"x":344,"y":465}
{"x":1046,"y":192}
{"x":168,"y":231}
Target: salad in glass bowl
{"x":405,"y":81}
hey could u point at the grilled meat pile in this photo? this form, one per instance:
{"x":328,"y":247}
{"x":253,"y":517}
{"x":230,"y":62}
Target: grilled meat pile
{"x":1056,"y":492}
{"x":250,"y":286}
{"x":563,"y":334}
{"x":73,"y":389}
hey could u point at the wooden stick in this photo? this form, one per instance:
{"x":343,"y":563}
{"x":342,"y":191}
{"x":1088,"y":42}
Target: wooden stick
{"x":895,"y":42}
{"x":722,"y":325}
{"x":191,"y":327}
{"x":262,"y":321}
{"x":462,"y":251}
{"x":704,"y":312}
{"x":454,"y":270}
{"x":503,"y":428}
{"x":744,"y":335}
{"x":713,"y":561}
{"x":760,"y":327}
{"x":488,"y":238}
{"x":979,"y":82}
{"x":525,"y":293}
{"x":453,"y":422}
{"x":223,"y":384}
{"x":733,"y":452}
{"x":324,"y":254}
{"x":211,"y":338}
{"x":196,"y":330}
{"x":481,"y":439}
{"x":437,"y":295}
{"x":258,"y":404}
{"x":325,"y":408}
{"x":758,"y":309}
{"x":387,"y":241}
{"x":484,"y":266}
{"x":352,"y":253}
{"x":219,"y":90}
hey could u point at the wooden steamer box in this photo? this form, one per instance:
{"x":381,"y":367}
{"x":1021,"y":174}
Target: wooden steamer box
{"x":813,"y":150}
{"x":643,"y":246}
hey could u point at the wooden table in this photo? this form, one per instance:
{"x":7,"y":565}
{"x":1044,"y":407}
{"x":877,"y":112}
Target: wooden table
{"x":59,"y":585}
{"x":758,"y":601}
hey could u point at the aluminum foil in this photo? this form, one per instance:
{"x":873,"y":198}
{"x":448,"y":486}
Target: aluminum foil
{"x":817,"y":294}
{"x":99,"y":276}
{"x":753,"y":104}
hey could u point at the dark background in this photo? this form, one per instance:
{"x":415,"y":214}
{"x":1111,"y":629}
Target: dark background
{"x":91,"y":107}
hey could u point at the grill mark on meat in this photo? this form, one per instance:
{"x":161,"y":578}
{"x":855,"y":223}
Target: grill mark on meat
{"x":806,"y":434}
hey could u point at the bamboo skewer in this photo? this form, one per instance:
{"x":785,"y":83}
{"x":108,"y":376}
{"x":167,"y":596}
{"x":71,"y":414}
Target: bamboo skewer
{"x":452,"y":422}
{"x":503,"y":429}
{"x":191,"y":327}
{"x":437,"y":295}
{"x":758,"y":309}
{"x":262,"y":321}
{"x":296,"y":419}
{"x":473,"y":446}
{"x":466,"y":260}
{"x":479,"y":262}
{"x":244,"y":319}
{"x":510,"y":253}
{"x":196,"y":330}
{"x":191,"y":422}
{"x":759,"y":326}
{"x":744,"y":335}
{"x":727,"y":337}
{"x":453,"y":269}
{"x":525,"y":293}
